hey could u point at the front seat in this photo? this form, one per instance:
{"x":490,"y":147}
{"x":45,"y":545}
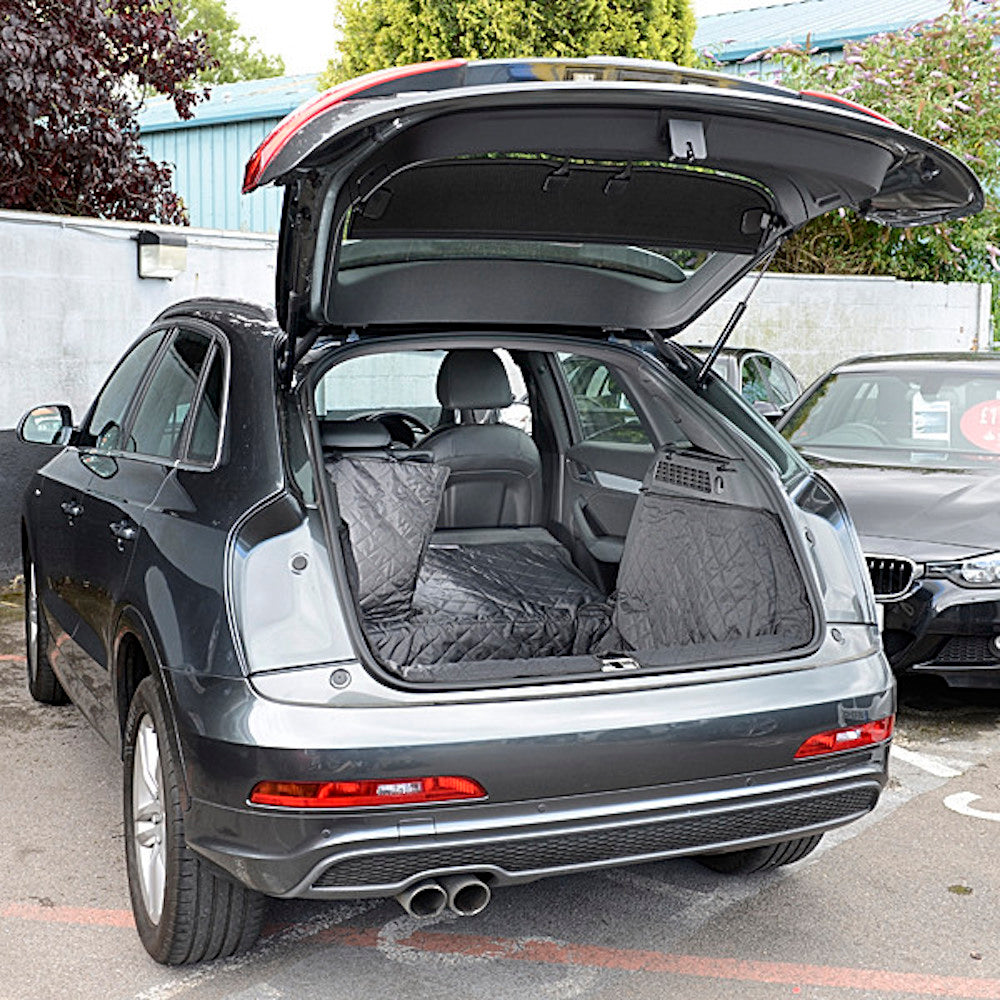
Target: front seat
{"x":496,"y":473}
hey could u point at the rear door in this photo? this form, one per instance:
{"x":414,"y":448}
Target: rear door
{"x":126,"y":481}
{"x":611,"y":449}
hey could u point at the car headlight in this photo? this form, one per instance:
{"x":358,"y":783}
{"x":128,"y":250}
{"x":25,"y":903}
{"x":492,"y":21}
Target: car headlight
{"x":979,"y":571}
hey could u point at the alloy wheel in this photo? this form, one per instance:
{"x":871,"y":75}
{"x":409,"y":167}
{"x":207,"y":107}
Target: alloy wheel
{"x":148,"y":818}
{"x":31,"y":619}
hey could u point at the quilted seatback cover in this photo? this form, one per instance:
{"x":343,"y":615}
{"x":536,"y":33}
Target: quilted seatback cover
{"x":700,"y":571}
{"x":390,"y":509}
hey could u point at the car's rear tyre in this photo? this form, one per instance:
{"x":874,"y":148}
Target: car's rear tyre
{"x":184,"y":912}
{"x":43,"y":685}
{"x":760,"y":859}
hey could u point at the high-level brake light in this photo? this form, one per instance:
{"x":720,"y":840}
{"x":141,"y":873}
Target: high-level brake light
{"x":291,"y":123}
{"x":848,"y":738}
{"x":844,"y":102}
{"x":374,"y":792}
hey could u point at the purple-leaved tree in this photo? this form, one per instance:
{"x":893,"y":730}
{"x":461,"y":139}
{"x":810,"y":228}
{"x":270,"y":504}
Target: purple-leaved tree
{"x":72,"y":77}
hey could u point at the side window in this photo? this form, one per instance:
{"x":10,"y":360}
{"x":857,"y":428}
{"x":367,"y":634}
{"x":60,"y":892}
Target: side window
{"x":400,"y":385}
{"x":104,"y":428}
{"x":602,"y":406}
{"x":204,"y":443}
{"x":753,"y":385}
{"x":780,"y":381}
{"x":393,"y":382}
{"x":160,"y":418}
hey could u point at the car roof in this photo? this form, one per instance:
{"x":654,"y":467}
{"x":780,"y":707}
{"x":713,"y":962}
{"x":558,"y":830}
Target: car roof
{"x":913,"y":362}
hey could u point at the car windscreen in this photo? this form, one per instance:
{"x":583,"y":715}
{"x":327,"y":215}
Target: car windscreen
{"x":931,"y":416}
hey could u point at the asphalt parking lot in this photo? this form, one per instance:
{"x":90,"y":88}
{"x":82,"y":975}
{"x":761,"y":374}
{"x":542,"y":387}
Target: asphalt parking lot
{"x":905,"y":904}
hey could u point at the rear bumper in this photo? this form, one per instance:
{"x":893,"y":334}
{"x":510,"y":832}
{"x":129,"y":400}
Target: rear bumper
{"x":574,"y":782}
{"x":356,"y":856}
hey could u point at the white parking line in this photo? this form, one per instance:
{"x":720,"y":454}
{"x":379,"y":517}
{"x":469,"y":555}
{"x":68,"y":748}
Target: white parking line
{"x":961,"y":802}
{"x":932,"y":765}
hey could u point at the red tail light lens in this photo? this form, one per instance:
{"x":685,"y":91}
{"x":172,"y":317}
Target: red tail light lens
{"x":848,"y":738}
{"x":350,"y":794}
{"x":844,"y":102}
{"x":304,"y":114}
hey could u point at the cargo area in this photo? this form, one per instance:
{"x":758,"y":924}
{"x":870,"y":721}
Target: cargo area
{"x":461,"y":573}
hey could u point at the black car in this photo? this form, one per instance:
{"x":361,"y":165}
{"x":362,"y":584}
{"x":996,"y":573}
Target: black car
{"x":357,"y":631}
{"x":912,"y":444}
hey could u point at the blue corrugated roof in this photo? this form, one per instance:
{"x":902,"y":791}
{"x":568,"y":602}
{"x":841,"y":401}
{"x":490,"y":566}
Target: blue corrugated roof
{"x":827,"y":23}
{"x":233,"y":102}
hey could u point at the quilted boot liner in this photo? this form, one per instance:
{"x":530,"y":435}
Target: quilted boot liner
{"x":698,"y":571}
{"x":514,"y":601}
{"x":390,"y":508}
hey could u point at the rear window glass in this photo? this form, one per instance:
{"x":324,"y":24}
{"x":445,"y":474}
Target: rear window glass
{"x":603,"y":408}
{"x":666,"y":264}
{"x":554,"y":199}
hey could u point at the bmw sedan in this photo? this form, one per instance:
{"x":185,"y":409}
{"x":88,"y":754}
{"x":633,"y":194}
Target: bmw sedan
{"x":359,"y":633}
{"x":912,"y":444}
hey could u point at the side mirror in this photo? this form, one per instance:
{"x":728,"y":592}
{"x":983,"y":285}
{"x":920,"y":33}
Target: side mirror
{"x":768,"y":410}
{"x":51,"y":424}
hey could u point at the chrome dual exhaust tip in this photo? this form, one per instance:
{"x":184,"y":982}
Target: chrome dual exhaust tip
{"x":467,"y":895}
{"x":464,"y":895}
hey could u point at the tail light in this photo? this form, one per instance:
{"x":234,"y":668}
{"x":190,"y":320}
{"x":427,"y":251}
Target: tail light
{"x":372,"y":792}
{"x":289,"y":125}
{"x":848,"y":738}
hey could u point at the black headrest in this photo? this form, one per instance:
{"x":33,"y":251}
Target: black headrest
{"x":473,"y":379}
{"x":353,"y":435}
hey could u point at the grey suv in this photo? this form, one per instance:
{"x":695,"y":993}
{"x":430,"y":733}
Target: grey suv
{"x":356,"y":631}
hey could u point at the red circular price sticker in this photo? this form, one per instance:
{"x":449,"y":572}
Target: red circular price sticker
{"x":980,"y":424}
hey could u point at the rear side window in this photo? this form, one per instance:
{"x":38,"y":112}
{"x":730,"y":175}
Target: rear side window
{"x":159,"y":421}
{"x":603,"y":408}
{"x":208,"y":416}
{"x":104,"y":428}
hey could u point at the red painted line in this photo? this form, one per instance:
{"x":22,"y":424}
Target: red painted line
{"x":11,"y":658}
{"x":67,"y":915}
{"x":882,"y":981}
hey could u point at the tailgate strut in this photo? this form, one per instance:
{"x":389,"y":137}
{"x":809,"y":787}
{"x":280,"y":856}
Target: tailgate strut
{"x":737,"y":315}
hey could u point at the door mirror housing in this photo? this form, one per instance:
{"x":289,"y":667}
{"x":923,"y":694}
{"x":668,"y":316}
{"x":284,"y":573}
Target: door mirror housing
{"x":49,"y":424}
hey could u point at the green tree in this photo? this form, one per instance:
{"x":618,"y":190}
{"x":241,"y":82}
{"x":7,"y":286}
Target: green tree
{"x":236,"y":55}
{"x":380,"y":33}
{"x":940,"y":79}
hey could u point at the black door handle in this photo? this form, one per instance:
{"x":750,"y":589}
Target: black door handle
{"x":124,"y":531}
{"x":71,"y":508}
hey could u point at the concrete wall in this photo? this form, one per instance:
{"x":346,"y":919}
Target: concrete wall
{"x":71,"y":301}
{"x":813,"y":322}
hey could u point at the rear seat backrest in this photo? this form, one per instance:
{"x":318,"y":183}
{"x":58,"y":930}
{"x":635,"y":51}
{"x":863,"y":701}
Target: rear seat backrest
{"x":389,"y":501}
{"x":496,"y":472}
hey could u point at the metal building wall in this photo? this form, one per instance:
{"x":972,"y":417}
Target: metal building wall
{"x":208,"y":163}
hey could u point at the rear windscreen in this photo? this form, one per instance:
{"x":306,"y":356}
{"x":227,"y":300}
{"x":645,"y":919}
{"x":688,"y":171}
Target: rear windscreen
{"x":655,"y":219}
